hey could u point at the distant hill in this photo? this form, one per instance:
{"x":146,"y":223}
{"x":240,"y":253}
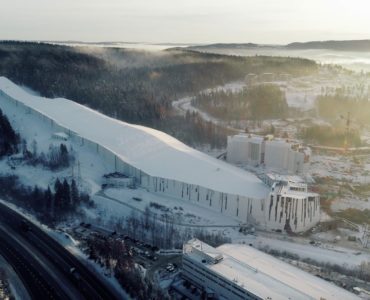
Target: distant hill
{"x":134,"y":85}
{"x":228,"y":46}
{"x":354,"y":45}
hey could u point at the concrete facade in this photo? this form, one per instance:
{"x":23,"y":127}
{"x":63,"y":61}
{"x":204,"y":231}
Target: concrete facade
{"x":275,"y":154}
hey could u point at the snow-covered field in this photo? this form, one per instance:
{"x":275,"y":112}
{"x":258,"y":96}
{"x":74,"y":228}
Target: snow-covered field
{"x":114,"y":202}
{"x":340,"y":168}
{"x":300,"y":93}
{"x":325,"y":253}
{"x":184,"y":104}
{"x":346,"y":174}
{"x":346,"y":203}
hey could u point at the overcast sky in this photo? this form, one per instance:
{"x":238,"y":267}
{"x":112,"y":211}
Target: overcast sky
{"x":185,"y":21}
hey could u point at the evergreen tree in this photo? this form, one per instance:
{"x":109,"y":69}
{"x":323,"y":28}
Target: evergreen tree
{"x":48,"y":199}
{"x":66,"y":195}
{"x":58,"y":195}
{"x":63,"y":157}
{"x":36,"y":200}
{"x":53,"y":157}
{"x":8,"y":138}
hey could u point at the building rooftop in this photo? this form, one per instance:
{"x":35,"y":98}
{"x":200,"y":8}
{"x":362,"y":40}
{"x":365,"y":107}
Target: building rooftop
{"x":269,"y":138}
{"x":287,"y":191}
{"x":289,"y":185}
{"x":266,"y":276}
{"x":153,"y":152}
{"x":244,"y":136}
{"x":287,"y":178}
{"x":205,"y":252}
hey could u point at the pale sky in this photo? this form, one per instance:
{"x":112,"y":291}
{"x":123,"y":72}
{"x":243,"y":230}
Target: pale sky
{"x":186,"y":21}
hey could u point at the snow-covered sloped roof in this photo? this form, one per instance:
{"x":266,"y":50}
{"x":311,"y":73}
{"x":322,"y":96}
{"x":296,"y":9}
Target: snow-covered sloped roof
{"x":152,"y":151}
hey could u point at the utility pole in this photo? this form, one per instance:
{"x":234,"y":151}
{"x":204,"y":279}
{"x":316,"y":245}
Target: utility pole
{"x":348,"y":124}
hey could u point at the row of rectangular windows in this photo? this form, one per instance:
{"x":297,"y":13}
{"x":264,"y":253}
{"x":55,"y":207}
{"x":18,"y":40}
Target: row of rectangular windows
{"x":187,"y":262}
{"x":197,"y":271}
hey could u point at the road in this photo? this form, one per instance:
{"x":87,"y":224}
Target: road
{"x":32,"y":274}
{"x":44,"y":265}
{"x":184,"y":104}
{"x":101,"y":193}
{"x":162,"y":263}
{"x":16,"y":286}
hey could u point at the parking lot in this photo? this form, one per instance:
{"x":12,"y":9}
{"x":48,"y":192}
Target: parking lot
{"x":160,"y":265}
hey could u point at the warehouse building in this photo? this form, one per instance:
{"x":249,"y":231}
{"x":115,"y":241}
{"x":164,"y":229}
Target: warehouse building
{"x":243,"y":272}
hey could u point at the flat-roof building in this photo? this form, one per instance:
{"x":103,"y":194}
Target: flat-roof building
{"x":271,"y":153}
{"x":243,"y":272}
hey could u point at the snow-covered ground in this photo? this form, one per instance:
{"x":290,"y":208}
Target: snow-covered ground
{"x":114,"y":202}
{"x":346,"y":174}
{"x":184,"y":104}
{"x":300,"y":93}
{"x":340,"y":168}
{"x":87,"y":169}
{"x":325,"y":253}
{"x":346,"y":203}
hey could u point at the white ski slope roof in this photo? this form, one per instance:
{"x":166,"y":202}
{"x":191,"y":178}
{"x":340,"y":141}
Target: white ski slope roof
{"x":149,"y":150}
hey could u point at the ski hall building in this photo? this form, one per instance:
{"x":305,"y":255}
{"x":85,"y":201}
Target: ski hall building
{"x":161,"y":164}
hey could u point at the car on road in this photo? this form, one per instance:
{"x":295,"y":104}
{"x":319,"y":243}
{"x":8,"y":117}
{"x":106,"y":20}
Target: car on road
{"x":170,"y":267}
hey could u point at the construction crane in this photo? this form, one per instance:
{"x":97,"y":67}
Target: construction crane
{"x":349,"y":122}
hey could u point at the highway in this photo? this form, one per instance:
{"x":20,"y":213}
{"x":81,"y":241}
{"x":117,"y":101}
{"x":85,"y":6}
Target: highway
{"x":44,"y":265}
{"x":29,"y":271}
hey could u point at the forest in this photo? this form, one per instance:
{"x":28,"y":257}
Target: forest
{"x":331,"y":136}
{"x":9,"y":139}
{"x":357,"y":106}
{"x":257,"y":102}
{"x":134,"y":85}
